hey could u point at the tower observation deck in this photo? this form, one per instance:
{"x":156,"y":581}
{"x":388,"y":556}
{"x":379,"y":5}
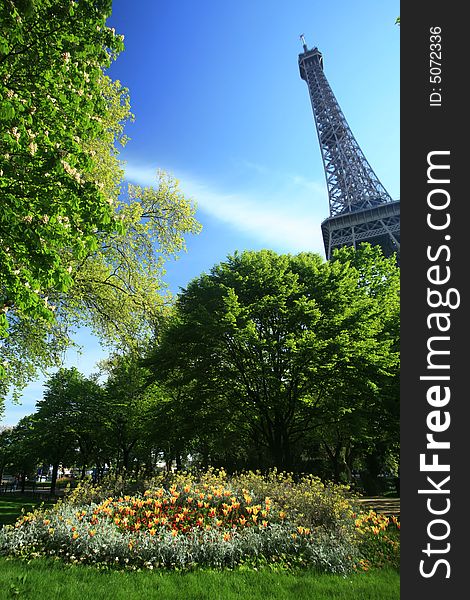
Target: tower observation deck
{"x":361,"y":210}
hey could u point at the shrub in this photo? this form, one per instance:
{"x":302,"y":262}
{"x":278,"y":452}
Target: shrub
{"x":64,"y":482}
{"x":308,"y":501}
{"x":85,"y":491}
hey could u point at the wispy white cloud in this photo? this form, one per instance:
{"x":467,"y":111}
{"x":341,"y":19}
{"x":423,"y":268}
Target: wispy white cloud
{"x":284,"y":212}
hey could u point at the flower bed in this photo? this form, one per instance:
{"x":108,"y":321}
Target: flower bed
{"x":181,"y":511}
{"x":208,"y":522}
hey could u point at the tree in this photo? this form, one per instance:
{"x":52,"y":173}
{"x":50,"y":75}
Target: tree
{"x":128,"y":404}
{"x":5,"y":450}
{"x":67,"y":422}
{"x":117,"y":289}
{"x":23,"y":451}
{"x":286,"y":345}
{"x":52,"y":108}
{"x":372,"y":428}
{"x":73,"y":247}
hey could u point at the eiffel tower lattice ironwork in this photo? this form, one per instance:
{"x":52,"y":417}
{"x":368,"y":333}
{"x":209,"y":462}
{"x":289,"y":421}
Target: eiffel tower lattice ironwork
{"x":361,"y":210}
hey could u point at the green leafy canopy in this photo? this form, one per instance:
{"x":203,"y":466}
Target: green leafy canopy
{"x":73,"y":248}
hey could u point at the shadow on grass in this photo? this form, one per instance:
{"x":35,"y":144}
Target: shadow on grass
{"x":12,"y":503}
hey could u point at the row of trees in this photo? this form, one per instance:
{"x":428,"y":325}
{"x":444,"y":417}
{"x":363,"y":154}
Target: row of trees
{"x":80,"y":423}
{"x":268,"y":360}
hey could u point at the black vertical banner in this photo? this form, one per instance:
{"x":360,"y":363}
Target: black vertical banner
{"x":435,"y":236}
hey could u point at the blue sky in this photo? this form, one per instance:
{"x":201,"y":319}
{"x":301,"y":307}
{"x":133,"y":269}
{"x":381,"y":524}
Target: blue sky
{"x":219,"y":103}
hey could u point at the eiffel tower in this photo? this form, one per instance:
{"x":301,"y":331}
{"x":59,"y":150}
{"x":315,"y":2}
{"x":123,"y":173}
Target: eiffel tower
{"x":361,"y":210}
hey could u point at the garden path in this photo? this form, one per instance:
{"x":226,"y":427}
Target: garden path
{"x":382,"y":505}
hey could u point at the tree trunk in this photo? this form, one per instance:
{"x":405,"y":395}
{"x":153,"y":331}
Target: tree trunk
{"x":179,"y":463}
{"x":397,"y":483}
{"x":205,"y":457}
{"x":55,"y":470}
{"x":341,"y":470}
{"x":126,"y":454}
{"x":279,"y":447}
{"x":370,"y":476}
{"x":125,"y":459}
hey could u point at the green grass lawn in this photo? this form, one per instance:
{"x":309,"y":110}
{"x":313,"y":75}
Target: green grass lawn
{"x":11,"y":504}
{"x":52,"y":579}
